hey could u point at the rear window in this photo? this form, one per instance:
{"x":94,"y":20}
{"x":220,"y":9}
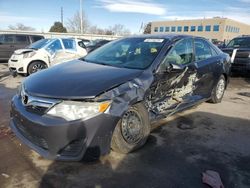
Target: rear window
{"x":81,"y":43}
{"x":36,"y":38}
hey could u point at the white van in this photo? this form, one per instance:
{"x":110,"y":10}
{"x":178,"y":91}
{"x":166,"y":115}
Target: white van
{"x":45,"y":53}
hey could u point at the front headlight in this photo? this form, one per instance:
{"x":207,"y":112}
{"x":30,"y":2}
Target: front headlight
{"x":29,"y":54}
{"x":71,"y":110}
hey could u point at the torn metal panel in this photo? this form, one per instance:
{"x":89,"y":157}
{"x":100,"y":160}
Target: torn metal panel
{"x":128,"y":93}
{"x":157,"y":101}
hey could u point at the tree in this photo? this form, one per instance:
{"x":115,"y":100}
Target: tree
{"x":74,"y":24}
{"x":147,"y":28}
{"x":119,"y":29}
{"x":20,"y":26}
{"x":58,"y":27}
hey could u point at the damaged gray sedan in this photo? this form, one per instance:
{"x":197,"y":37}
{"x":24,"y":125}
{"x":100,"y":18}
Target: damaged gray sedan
{"x":109,"y":98}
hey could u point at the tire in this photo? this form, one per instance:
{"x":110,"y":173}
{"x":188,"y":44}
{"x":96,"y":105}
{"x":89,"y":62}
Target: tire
{"x":125,"y":139}
{"x":36,"y":66}
{"x":218,"y":90}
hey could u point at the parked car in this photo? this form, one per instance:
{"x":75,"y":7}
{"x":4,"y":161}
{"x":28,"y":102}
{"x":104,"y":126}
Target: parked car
{"x":95,"y":44}
{"x":45,"y":53}
{"x":109,"y":98}
{"x":85,"y":41}
{"x":11,"y":42}
{"x":239,"y":50}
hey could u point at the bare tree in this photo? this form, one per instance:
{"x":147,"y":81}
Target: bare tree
{"x":119,"y":29}
{"x":20,"y":26}
{"x":96,"y":30}
{"x":74,"y":24}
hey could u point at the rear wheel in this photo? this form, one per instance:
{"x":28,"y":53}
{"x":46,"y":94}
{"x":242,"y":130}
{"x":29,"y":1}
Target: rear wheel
{"x":218,"y":90}
{"x":132,"y":131}
{"x":36,"y":66}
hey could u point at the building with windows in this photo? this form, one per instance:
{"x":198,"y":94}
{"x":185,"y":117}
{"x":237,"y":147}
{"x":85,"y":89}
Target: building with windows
{"x":214,"y":29}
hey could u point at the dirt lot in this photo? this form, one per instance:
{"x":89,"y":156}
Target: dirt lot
{"x":210,"y":136}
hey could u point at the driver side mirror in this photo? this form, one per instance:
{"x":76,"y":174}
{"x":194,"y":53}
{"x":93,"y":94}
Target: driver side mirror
{"x":170,"y":66}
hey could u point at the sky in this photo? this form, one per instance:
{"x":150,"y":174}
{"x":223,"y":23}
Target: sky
{"x":130,"y":13}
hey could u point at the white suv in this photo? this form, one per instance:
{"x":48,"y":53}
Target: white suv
{"x":45,"y":53}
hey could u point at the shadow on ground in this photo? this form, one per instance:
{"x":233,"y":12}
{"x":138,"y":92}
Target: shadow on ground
{"x":175,"y":156}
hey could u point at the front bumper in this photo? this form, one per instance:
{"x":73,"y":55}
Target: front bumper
{"x":56,"y":138}
{"x":18,"y":64}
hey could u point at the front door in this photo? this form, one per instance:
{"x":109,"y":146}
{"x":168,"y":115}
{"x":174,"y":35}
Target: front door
{"x":174,"y":83}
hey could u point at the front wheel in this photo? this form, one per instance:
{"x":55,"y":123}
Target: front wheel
{"x":36,"y":66}
{"x":132,"y":131}
{"x":218,"y":91}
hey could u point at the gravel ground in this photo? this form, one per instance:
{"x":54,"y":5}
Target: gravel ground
{"x":206,"y":137}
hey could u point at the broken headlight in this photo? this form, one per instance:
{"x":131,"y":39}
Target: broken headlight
{"x":29,"y":54}
{"x":71,"y":110}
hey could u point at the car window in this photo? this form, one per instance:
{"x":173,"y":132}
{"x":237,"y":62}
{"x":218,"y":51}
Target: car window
{"x":81,"y":44}
{"x":69,"y":44}
{"x":1,"y":38}
{"x":134,"y":53}
{"x":182,"y":53}
{"x":214,"y":52}
{"x":202,"y":50}
{"x":54,"y":46}
{"x":36,"y":38}
{"x":23,"y":39}
{"x":9,"y":39}
{"x":239,"y":43}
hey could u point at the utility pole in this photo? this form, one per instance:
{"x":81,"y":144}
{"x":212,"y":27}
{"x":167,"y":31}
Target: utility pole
{"x":81,"y":16}
{"x":62,"y":15}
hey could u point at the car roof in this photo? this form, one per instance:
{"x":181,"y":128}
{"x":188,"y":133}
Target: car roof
{"x":165,"y":36}
{"x":243,"y":36}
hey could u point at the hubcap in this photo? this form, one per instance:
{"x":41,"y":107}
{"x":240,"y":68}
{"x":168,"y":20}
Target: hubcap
{"x":220,"y":88}
{"x":38,"y":67}
{"x":132,"y":127}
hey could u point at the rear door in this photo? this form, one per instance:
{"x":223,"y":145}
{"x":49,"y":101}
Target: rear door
{"x":207,"y":62}
{"x":7,"y":46}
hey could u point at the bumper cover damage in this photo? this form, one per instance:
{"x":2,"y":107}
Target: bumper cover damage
{"x":56,"y":138}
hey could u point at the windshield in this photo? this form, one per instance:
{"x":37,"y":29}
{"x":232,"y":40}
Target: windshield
{"x":239,"y":43}
{"x":39,"y":44}
{"x":134,"y":53}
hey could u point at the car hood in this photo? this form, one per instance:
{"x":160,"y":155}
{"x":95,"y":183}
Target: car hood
{"x":23,"y":51}
{"x":77,"y":80}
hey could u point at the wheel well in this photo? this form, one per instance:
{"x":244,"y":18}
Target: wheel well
{"x":33,"y":62}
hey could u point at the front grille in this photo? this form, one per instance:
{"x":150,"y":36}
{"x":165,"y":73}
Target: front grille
{"x":72,"y":149}
{"x":13,"y":69}
{"x":37,"y":140}
{"x":36,"y":109}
